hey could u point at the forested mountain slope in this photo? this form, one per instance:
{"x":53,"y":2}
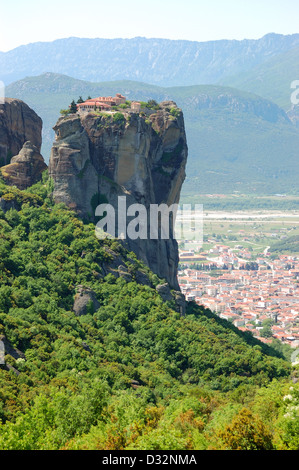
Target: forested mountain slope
{"x":272,"y":79}
{"x":95,"y":359}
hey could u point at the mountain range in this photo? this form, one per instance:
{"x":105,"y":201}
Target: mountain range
{"x":271,"y":79}
{"x":236,"y":139}
{"x":235,"y":95}
{"x":161,"y":62}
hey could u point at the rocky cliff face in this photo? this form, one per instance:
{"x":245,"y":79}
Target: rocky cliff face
{"x":18,"y":124}
{"x":25,"y":169}
{"x":97,"y":158}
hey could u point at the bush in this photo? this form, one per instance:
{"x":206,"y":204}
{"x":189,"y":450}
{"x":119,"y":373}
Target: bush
{"x":246,"y":432}
{"x":175,"y":112}
{"x":152,"y":104}
{"x":119,"y":118}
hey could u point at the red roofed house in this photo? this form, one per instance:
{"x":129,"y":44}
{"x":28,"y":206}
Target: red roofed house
{"x":101,"y":103}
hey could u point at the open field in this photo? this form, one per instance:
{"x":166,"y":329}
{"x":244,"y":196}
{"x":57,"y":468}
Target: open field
{"x":243,"y":202}
{"x":252,"y":216}
{"x":254,"y":230}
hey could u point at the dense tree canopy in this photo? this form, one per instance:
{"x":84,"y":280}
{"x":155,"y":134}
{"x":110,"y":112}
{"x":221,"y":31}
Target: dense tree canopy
{"x":131,"y":374}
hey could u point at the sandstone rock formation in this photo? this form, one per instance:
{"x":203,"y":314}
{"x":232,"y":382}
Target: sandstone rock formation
{"x":18,"y":124}
{"x":25,"y":168}
{"x":97,"y":158}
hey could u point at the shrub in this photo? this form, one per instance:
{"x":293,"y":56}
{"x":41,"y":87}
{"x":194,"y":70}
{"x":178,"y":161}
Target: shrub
{"x":246,"y":432}
{"x":118,"y":118}
{"x":175,"y":112}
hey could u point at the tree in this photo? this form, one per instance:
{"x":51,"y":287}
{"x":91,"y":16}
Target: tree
{"x":73,"y":107}
{"x":119,"y":118}
{"x":152,"y":104}
{"x":287,"y":430}
{"x":246,"y":432}
{"x":266,"y":332}
{"x":80,"y":100}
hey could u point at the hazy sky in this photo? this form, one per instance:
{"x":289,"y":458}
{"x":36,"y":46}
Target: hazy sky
{"x":26,"y":21}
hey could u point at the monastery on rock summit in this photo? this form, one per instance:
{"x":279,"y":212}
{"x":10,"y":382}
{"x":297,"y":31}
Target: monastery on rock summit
{"x":105,"y":103}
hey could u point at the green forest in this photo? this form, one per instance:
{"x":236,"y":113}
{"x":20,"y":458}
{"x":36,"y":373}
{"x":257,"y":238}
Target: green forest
{"x":288,"y":245}
{"x":130,"y":372}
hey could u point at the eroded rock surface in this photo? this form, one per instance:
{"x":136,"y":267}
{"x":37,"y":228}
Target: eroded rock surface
{"x":97,"y":158}
{"x":18,"y":124}
{"x":25,"y":169}
{"x":85,"y":301}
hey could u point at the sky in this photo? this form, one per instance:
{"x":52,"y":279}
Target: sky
{"x":24,"y":22}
